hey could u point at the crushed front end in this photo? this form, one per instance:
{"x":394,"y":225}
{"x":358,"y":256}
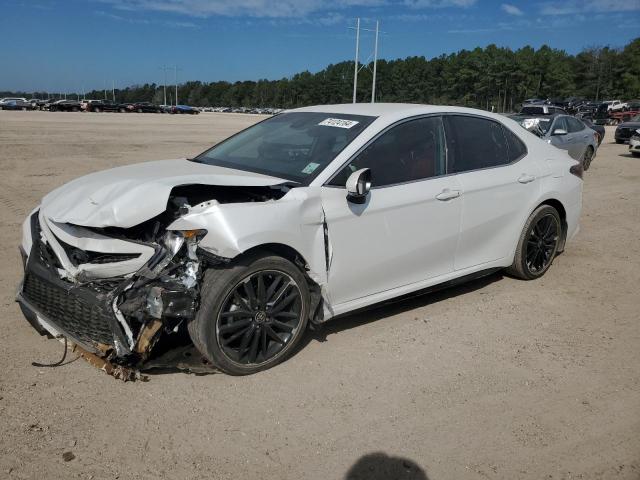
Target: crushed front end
{"x":113,"y":292}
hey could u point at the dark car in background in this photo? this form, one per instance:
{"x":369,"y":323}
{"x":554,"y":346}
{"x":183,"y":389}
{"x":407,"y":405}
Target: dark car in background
{"x":541,"y":110}
{"x":143,"y":107}
{"x":102,"y":106}
{"x":64,"y":106}
{"x":626,"y":130}
{"x":185,"y":109}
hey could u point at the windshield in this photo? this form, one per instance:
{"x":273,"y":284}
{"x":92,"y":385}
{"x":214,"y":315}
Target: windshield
{"x":295,"y":146}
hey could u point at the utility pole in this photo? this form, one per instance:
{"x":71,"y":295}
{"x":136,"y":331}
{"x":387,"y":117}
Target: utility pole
{"x":113,"y":90}
{"x":164,"y":69}
{"x":375,"y":64}
{"x":175,"y":71}
{"x":355,"y":72}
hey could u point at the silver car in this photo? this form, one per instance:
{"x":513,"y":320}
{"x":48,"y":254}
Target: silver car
{"x":565,"y":132}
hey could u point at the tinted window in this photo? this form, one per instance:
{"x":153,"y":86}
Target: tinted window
{"x":575,"y":125}
{"x":516,"y":147}
{"x":475,"y":143}
{"x":295,"y":146}
{"x":532,"y":110}
{"x":413,"y":150}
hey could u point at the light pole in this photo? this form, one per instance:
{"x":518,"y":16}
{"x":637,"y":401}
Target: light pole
{"x":355,"y":71}
{"x":375,"y":64}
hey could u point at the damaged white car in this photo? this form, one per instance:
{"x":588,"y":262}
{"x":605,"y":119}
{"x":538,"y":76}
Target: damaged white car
{"x":307,"y":215}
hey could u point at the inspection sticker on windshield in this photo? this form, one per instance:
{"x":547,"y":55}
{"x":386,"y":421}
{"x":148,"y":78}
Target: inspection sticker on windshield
{"x":338,"y":122}
{"x":310,"y":168}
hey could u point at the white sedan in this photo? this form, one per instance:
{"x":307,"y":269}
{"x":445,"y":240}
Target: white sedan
{"x":307,"y":215}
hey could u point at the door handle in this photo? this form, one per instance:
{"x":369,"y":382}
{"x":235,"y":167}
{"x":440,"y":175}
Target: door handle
{"x":526,"y":178}
{"x":448,"y":194}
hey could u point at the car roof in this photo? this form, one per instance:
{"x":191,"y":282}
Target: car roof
{"x":392,"y":111}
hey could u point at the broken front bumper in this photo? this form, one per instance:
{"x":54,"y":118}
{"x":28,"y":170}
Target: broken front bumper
{"x":117,"y":318}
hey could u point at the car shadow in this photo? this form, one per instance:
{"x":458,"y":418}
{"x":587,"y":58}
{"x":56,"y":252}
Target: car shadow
{"x":380,"y":466}
{"x":627,"y":155}
{"x":395,"y":306}
{"x":185,"y":358}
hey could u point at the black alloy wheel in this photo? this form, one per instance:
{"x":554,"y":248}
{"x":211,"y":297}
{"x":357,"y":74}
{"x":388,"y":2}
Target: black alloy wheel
{"x":538,"y":244}
{"x":258,"y":317}
{"x":542,"y":243}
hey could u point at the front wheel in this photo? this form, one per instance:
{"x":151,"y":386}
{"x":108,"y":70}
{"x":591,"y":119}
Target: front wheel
{"x":538,"y":244}
{"x":252,"y":314}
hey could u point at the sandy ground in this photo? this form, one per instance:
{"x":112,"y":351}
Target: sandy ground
{"x":498,"y":379}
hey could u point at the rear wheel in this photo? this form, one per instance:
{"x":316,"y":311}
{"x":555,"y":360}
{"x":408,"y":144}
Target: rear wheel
{"x":619,"y":141}
{"x":252,"y":315}
{"x":538,"y":244}
{"x":587,"y":158}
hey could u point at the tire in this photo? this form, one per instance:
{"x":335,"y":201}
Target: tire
{"x":139,"y":110}
{"x":635,"y":154}
{"x":234,"y":342}
{"x":97,"y":110}
{"x":619,"y":141}
{"x":587,"y":158}
{"x":530,"y":242}
{"x":123,"y":110}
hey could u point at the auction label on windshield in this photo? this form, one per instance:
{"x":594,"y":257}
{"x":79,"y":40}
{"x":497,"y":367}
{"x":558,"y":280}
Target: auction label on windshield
{"x":338,"y":122}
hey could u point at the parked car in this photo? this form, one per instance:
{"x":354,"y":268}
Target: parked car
{"x":15,"y":104}
{"x":270,"y":230}
{"x":626,"y":130}
{"x":541,"y":110}
{"x":102,"y":106}
{"x":599,"y":129}
{"x":615,"y":105}
{"x":38,"y":104}
{"x":184,"y":109}
{"x":143,"y":107}
{"x":64,"y":106}
{"x":534,"y":101}
{"x":564,"y":132}
{"x":634,"y":143}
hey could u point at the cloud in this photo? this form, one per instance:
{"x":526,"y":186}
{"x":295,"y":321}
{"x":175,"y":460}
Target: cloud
{"x":143,"y":21}
{"x":575,"y":6}
{"x":511,"y":9}
{"x":418,"y":4}
{"x":240,"y":8}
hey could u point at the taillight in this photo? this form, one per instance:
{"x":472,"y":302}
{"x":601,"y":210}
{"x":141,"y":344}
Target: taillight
{"x":577,"y":170}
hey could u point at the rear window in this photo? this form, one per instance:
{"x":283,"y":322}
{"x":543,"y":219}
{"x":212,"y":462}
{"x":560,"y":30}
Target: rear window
{"x":475,"y":143}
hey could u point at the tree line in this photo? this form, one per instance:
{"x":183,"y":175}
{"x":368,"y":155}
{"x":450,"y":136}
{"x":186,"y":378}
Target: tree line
{"x":487,"y":77}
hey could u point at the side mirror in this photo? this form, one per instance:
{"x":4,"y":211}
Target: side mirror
{"x":559,"y":131}
{"x":358,"y":185}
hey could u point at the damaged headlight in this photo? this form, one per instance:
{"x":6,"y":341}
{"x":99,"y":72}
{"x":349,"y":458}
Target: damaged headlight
{"x":174,"y":239}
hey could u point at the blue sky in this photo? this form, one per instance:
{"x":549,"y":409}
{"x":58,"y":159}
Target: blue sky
{"x":68,"y":45}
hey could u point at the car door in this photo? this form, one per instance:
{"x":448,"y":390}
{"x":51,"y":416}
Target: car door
{"x":498,"y":185}
{"x":581,"y":137}
{"x":564,"y":141}
{"x":407,"y":229}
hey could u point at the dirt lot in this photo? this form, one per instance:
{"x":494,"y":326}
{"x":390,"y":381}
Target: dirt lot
{"x":498,"y":379}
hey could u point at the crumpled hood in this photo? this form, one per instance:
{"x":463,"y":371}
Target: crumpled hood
{"x":129,"y":195}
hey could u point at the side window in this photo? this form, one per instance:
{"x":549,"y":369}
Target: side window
{"x":516,"y":147}
{"x":575,"y":125}
{"x":475,"y":143}
{"x":413,"y":150}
